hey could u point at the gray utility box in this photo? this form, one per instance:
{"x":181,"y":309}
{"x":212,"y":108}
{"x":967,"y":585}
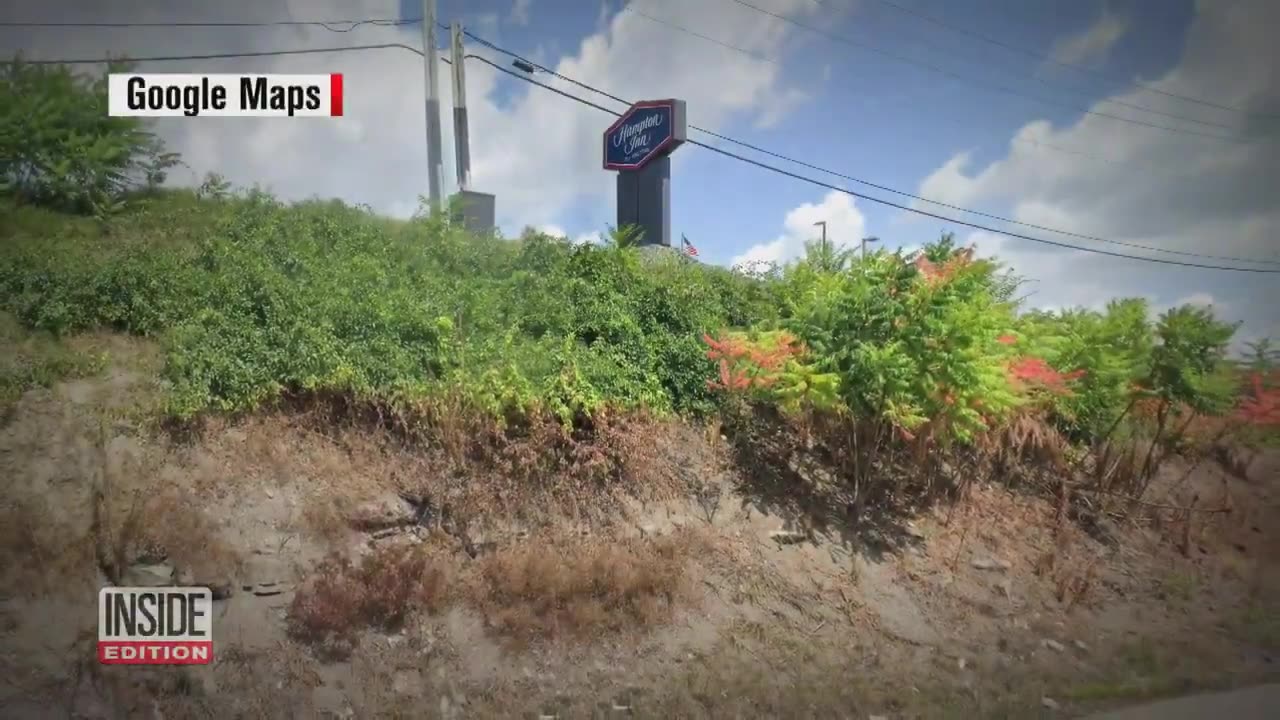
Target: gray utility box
{"x":475,"y":210}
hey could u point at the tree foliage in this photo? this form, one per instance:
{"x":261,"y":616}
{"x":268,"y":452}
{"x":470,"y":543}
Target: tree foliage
{"x":60,"y":148}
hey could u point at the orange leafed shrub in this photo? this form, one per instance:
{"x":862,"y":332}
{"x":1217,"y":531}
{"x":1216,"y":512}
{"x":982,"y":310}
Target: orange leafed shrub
{"x":1263,"y":407}
{"x":1035,"y":372}
{"x":935,"y":273}
{"x":745,"y":364}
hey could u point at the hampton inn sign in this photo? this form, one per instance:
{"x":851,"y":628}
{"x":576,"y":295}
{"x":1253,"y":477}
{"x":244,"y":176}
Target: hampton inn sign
{"x":639,"y":147}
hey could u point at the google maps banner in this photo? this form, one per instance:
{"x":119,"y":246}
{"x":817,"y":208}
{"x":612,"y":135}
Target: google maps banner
{"x":178,"y":95}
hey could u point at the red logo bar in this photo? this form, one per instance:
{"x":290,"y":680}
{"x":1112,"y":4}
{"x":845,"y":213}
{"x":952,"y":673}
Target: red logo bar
{"x":335,"y":94}
{"x":155,"y":652}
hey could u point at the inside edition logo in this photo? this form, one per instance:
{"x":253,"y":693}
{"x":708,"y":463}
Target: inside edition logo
{"x":155,"y":626}
{"x":178,"y":95}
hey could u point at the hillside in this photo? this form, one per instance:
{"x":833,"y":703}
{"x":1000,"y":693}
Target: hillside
{"x":428,"y":473}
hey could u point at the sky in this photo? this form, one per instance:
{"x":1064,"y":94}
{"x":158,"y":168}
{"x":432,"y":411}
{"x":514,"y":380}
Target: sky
{"x":998,"y":106}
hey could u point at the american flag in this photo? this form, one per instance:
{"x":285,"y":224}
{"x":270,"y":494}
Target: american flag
{"x":689,"y":249}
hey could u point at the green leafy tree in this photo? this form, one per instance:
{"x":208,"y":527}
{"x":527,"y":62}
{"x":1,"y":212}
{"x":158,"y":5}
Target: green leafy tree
{"x":58,"y":146}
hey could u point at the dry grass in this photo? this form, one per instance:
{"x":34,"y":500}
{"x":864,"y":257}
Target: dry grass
{"x":38,"y":550}
{"x":342,"y":598}
{"x":547,"y":589}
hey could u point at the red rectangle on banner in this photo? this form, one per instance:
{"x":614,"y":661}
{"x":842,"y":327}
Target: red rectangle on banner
{"x":335,"y":94}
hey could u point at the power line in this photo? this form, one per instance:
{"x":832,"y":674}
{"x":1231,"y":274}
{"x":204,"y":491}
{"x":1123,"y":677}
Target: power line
{"x":1050,"y":59}
{"x":1108,"y":100}
{"x":907,"y":208}
{"x":630,"y":7}
{"x":764,"y":58}
{"x":979,"y":83}
{"x":329,"y":25}
{"x":766,"y":166}
{"x":1112,"y":101}
{"x":868,"y":183}
{"x":213,"y":56}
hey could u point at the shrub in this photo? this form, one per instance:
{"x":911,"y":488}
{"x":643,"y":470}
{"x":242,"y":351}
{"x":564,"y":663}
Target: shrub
{"x":913,"y":341}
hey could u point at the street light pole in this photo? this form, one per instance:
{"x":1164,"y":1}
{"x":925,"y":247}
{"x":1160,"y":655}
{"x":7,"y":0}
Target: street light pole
{"x":823,"y":223}
{"x":866,"y":240}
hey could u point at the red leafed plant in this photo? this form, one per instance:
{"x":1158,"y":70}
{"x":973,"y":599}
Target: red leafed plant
{"x":1035,"y":372}
{"x":935,"y":273}
{"x":1263,"y":407}
{"x":745,"y":364}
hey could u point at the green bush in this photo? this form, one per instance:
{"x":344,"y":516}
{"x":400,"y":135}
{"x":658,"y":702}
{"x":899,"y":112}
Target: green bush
{"x":259,"y":298}
{"x":913,"y":341}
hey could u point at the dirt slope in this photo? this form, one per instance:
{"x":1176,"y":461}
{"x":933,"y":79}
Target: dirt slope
{"x":702,"y":594}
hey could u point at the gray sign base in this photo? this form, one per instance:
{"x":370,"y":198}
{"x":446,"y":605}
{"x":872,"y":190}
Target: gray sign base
{"x":644,"y":200}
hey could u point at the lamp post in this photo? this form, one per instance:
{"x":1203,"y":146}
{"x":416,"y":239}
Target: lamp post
{"x":823,"y":223}
{"x":866,"y":240}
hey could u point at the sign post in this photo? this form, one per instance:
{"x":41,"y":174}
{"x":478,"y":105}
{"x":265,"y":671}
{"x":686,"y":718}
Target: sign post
{"x":639,"y":147}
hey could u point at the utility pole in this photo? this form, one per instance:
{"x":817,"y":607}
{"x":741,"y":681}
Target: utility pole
{"x":866,"y":240}
{"x":461,"y":140}
{"x":435,"y":165}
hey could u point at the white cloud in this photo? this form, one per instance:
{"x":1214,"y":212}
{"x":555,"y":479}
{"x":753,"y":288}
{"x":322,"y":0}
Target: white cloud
{"x":846,"y":227}
{"x":536,"y":151}
{"x":520,"y":12}
{"x":1199,"y":299}
{"x":1166,"y":190}
{"x":552,"y":230}
{"x":1091,"y":46}
{"x":589,"y":238}
{"x":782,"y":106}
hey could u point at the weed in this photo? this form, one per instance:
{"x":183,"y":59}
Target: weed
{"x":1180,"y":586}
{"x":383,"y":591}
{"x":580,"y":589}
{"x":35,"y":359}
{"x":1261,"y":625}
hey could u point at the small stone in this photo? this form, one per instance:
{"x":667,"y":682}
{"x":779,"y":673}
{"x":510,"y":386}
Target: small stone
{"x":787,"y":537}
{"x":271,"y":494}
{"x":1006,"y":587}
{"x":268,"y":589}
{"x":142,"y":575}
{"x":989,"y":563}
{"x":962,"y":663}
{"x":1081,"y":646}
{"x":913,"y":531}
{"x":1050,"y":703}
{"x":388,"y":510}
{"x":877,"y":717}
{"x":1054,"y":645}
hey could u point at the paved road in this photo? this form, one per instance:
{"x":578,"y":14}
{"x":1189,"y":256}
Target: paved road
{"x":1255,"y":703}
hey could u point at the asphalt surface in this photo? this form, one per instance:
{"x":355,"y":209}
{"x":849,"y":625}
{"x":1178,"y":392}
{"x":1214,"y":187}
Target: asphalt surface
{"x":1255,"y":703}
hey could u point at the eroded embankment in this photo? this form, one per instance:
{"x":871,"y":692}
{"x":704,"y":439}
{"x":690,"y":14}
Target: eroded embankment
{"x":356,"y":575}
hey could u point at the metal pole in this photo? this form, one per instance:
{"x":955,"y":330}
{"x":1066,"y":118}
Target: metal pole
{"x":823,"y":223}
{"x":461,"y":137}
{"x":435,"y":166}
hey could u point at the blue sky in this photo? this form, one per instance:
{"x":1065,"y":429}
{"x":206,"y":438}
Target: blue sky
{"x":842,"y":107}
{"x":868,"y":115}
